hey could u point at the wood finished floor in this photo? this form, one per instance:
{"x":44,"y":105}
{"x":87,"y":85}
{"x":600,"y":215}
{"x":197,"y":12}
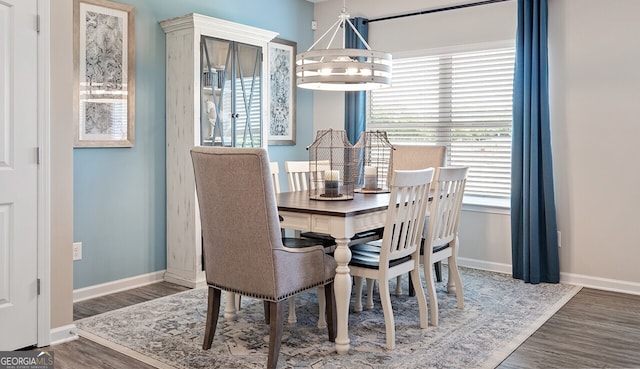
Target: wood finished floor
{"x":595,"y":329}
{"x":119,"y":300}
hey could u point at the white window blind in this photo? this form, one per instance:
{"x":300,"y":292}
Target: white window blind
{"x":460,"y":100}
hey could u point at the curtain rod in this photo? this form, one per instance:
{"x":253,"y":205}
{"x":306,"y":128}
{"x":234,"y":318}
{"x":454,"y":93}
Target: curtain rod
{"x":453,"y":7}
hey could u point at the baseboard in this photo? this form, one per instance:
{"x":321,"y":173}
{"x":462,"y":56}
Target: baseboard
{"x":598,"y":283}
{"x":484,"y":265}
{"x":146,"y":279}
{"x":200,"y":280}
{"x":102,"y":289}
{"x":63,"y":334}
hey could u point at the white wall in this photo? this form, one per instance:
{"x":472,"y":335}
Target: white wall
{"x":595,"y":95}
{"x":62,"y":133}
{"x":595,"y":91}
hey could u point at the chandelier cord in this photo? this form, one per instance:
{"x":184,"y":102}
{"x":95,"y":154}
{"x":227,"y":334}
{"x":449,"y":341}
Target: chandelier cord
{"x":336,"y":24}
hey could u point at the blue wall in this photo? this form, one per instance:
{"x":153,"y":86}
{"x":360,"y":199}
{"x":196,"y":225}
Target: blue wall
{"x":120,"y":193}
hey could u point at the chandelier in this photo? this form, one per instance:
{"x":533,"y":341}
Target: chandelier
{"x":342,"y":69}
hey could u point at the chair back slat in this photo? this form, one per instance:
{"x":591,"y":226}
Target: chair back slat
{"x":275,"y":173}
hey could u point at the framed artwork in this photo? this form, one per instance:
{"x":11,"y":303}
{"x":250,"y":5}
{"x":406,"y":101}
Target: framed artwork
{"x":104,"y":74}
{"x":282,"y":69}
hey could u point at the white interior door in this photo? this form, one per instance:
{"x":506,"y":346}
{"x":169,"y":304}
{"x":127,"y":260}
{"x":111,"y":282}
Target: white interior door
{"x":18,"y":174}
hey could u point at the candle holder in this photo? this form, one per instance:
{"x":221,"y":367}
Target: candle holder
{"x":332,"y":166}
{"x":375,"y":153}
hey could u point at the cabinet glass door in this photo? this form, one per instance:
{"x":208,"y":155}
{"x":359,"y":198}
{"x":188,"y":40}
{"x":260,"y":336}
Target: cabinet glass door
{"x":231,"y":80}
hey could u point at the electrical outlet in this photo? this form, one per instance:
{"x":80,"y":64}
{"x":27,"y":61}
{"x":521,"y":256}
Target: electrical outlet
{"x":77,"y":251}
{"x":559,"y":239}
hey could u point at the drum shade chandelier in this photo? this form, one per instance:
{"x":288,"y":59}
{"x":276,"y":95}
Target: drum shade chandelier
{"x":333,"y":69}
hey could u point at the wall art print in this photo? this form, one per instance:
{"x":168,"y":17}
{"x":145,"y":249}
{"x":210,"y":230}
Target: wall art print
{"x":282,"y":117}
{"x":104,"y":68}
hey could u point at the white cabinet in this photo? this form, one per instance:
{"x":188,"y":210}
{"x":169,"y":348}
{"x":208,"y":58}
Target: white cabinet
{"x":216,"y":88}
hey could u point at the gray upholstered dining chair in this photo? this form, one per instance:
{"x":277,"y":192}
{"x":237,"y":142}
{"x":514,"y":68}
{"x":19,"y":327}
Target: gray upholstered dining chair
{"x":411,"y":157}
{"x":243,"y":249}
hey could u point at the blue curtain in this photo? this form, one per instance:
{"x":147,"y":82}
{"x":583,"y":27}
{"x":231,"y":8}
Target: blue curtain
{"x":534,"y":238}
{"x":355,"y":102}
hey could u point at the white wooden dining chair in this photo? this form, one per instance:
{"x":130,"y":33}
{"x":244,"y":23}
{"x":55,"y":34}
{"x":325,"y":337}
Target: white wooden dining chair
{"x":298,"y":175}
{"x":300,"y":178}
{"x":441,"y":238}
{"x":399,"y":250}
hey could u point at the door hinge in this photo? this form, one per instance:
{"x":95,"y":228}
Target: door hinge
{"x":38,"y":23}
{"x":38,"y":155}
{"x":38,"y":287}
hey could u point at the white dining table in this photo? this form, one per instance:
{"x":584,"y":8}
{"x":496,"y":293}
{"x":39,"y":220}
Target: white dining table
{"x":342,"y":219}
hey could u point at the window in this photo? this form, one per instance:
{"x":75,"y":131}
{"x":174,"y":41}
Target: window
{"x":460,"y":100}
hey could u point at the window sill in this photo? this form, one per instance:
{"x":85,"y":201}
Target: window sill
{"x":486,"y":205}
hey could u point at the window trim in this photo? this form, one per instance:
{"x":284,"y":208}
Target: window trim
{"x":486,"y":205}
{"x":455,"y":49}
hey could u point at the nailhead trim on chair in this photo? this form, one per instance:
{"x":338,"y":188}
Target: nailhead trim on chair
{"x":269,"y":298}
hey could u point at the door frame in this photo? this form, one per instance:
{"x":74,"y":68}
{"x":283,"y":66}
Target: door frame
{"x":44,"y":173}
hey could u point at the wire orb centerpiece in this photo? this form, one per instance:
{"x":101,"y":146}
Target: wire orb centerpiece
{"x":333,"y":166}
{"x":375,"y":153}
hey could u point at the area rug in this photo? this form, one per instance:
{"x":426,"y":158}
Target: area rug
{"x":499,"y":314}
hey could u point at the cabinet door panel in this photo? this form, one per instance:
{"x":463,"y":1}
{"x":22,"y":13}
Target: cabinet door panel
{"x":248,"y":95}
{"x":231,"y":93}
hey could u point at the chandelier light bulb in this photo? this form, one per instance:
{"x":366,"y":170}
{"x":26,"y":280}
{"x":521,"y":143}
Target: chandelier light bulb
{"x":352,"y":71}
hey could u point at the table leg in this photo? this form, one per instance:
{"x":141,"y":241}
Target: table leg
{"x":342,"y":289}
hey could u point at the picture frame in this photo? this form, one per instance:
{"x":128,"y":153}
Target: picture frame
{"x":282,"y":93}
{"x":104,"y":73}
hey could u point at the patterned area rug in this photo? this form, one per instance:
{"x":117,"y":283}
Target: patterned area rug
{"x":499,"y":314}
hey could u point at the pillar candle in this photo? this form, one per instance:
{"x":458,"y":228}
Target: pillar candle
{"x":332,"y":183}
{"x":370,"y":178}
